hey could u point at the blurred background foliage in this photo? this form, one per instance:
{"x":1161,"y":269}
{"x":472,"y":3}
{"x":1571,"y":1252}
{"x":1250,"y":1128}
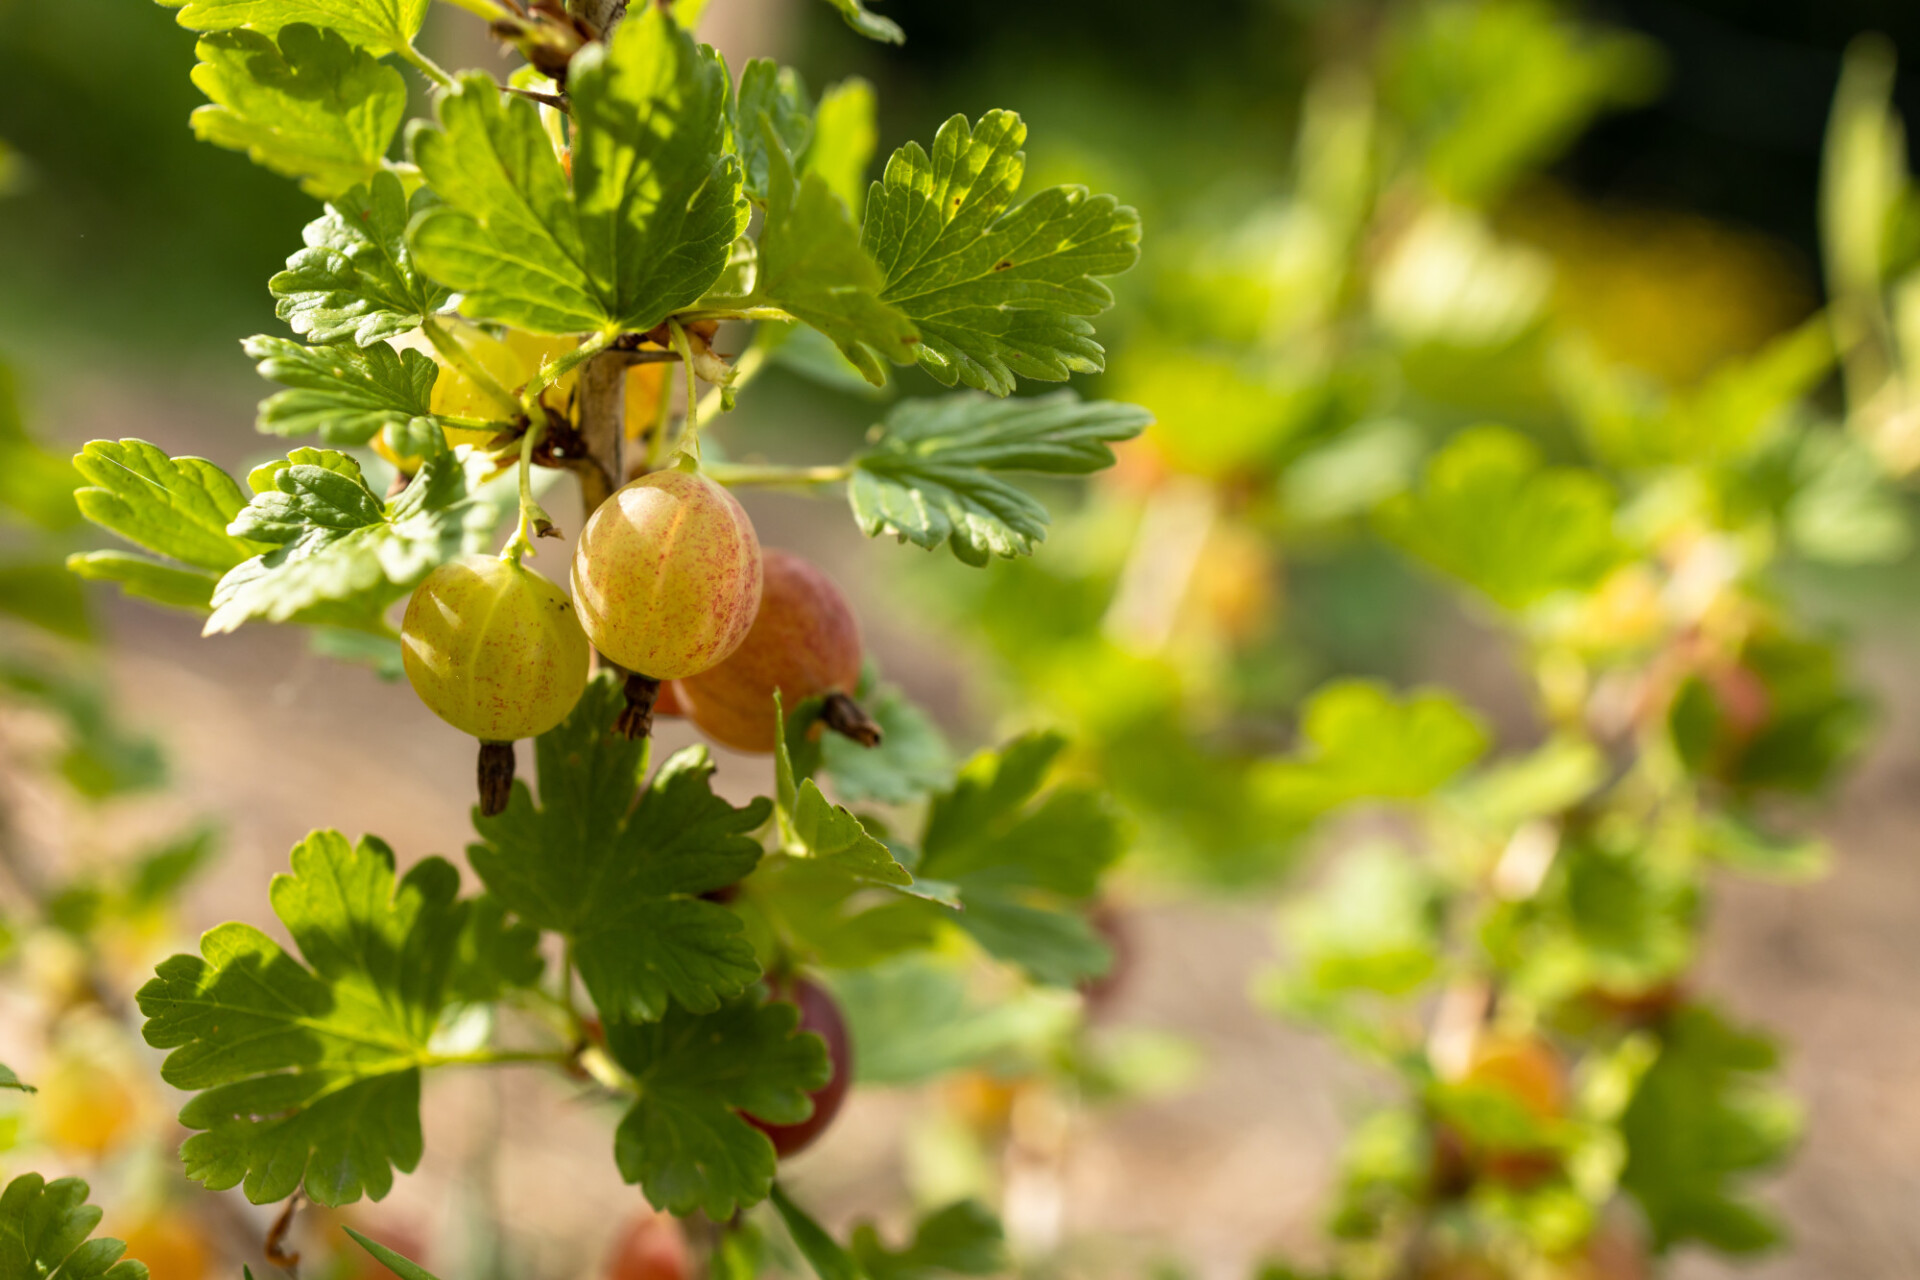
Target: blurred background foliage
{"x":1372,"y":230}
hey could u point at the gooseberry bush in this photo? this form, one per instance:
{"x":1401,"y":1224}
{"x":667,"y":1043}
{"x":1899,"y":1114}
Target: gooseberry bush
{"x":569,"y":277}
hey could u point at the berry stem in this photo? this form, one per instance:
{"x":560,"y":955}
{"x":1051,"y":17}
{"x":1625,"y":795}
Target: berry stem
{"x":559,"y":367}
{"x":495,"y":777}
{"x":636,"y":718}
{"x":427,"y":66}
{"x":849,"y":719}
{"x":751,"y":361}
{"x":531,"y":512}
{"x":690,"y":431}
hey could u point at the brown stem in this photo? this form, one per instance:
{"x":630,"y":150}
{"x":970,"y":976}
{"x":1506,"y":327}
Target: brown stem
{"x":602,"y":400}
{"x":496,"y":777}
{"x":276,"y":1247}
{"x":636,"y":718}
{"x":848,"y":718}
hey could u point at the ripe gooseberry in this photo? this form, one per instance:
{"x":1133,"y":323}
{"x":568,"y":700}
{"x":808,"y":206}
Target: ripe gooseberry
{"x":804,"y":642}
{"x":820,"y":1014}
{"x":667,"y":575}
{"x":493,"y":648}
{"x":652,"y":1247}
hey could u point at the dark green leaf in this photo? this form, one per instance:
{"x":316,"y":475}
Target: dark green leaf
{"x":43,"y":1234}
{"x":822,"y":1252}
{"x":995,"y":290}
{"x":308,"y":1076}
{"x":826,"y":832}
{"x":1024,"y":858}
{"x":929,"y":477}
{"x":344,"y":393}
{"x":911,"y":761}
{"x":343,"y":554}
{"x":310,"y":107}
{"x":46,"y":595}
{"x":647,"y":223}
{"x":684,"y":1142}
{"x":8,"y":1080}
{"x":36,"y":484}
{"x":404,"y":1267}
{"x":623,"y":879}
{"x":776,"y":93}
{"x":355,"y":281}
{"x":812,"y":266}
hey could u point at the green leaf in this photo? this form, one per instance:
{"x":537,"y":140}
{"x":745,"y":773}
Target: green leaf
{"x":623,"y":879}
{"x":822,"y":1252}
{"x":1742,"y":843}
{"x":1492,"y":514}
{"x":1359,"y":742}
{"x":310,"y":107}
{"x":175,"y":507}
{"x":356,"y":281}
{"x":308,"y":1076}
{"x":378,"y":24}
{"x":648,"y":222}
{"x":826,"y":832}
{"x":1024,"y":859}
{"x":147,"y":579}
{"x":912,"y":1018}
{"x":684,"y":1142}
{"x":775,"y":93}
{"x":963,"y":1239}
{"x":812,"y":266}
{"x":44,"y":594}
{"x":36,"y":484}
{"x":868,"y":23}
{"x":844,"y":135}
{"x":1374,"y":925}
{"x":344,"y":393}
{"x":8,"y":1080}
{"x":1701,"y":1121}
{"x":43,"y":1234}
{"x":343,"y":554}
{"x":929,"y":477}
{"x":995,"y":291}
{"x":911,"y":761}
{"x":404,"y":1267}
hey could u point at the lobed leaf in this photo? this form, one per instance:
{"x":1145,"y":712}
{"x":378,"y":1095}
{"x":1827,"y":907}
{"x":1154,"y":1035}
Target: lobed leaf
{"x":620,"y":870}
{"x":684,"y":1141}
{"x":995,"y":289}
{"x":174,"y":507}
{"x":307,"y":1076}
{"x":929,"y":477}
{"x":309,"y":105}
{"x":812,"y":266}
{"x":963,"y":1239}
{"x":343,"y":393}
{"x":342,"y":554}
{"x":356,"y":280}
{"x":648,"y":219}
{"x":383,"y":25}
{"x":44,"y":1230}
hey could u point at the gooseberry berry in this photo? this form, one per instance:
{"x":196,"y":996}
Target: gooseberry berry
{"x":493,"y":648}
{"x":804,"y":642}
{"x":652,"y":1247}
{"x":667,"y":575}
{"x":820,"y":1014}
